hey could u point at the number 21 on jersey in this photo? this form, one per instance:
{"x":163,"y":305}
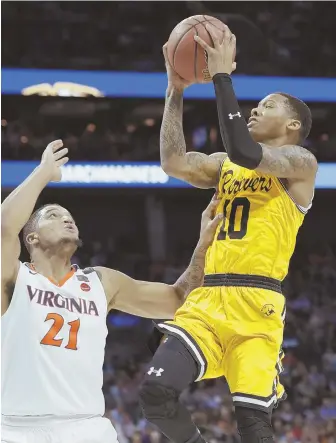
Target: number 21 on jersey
{"x":235,"y":219}
{"x":57,"y":327}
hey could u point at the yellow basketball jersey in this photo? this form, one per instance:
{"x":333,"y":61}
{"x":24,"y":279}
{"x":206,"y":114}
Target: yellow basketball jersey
{"x":259,"y":228}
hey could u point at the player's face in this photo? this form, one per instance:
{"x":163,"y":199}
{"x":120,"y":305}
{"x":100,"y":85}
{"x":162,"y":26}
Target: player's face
{"x":270,"y":119}
{"x":56,"y":225}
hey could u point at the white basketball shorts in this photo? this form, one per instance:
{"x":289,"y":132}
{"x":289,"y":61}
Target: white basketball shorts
{"x":57,"y":430}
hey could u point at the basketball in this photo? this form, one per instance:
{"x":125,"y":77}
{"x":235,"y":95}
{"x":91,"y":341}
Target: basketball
{"x":185,"y":55}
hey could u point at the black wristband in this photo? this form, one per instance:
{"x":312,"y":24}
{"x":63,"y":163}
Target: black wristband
{"x":239,"y":145}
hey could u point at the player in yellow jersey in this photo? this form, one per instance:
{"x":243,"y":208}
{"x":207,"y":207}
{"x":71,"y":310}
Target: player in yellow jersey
{"x":233,"y":325}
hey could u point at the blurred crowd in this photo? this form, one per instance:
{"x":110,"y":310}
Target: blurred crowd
{"x":128,"y":142}
{"x":309,"y":413}
{"x":274,"y":38}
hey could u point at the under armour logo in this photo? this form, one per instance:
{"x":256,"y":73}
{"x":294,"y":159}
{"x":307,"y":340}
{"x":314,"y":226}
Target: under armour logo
{"x":231,"y":116}
{"x":157,"y":372}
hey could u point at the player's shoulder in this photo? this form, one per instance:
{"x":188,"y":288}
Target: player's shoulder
{"x":105,"y":274}
{"x":97,"y":270}
{"x":110,"y":277}
{"x":300,"y":156}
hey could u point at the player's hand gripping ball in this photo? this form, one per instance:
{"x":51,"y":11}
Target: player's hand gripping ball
{"x":186,"y":56}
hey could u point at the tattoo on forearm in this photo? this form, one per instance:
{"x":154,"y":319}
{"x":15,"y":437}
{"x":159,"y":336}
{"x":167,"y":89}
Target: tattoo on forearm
{"x":287,"y":161}
{"x":198,"y":168}
{"x":193,"y":276}
{"x":172,"y":142}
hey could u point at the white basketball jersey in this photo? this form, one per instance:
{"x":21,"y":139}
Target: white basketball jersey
{"x":53,"y":342}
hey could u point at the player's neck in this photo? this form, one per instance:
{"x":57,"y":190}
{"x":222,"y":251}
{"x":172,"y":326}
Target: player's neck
{"x":53,"y":266}
{"x":277,"y":142}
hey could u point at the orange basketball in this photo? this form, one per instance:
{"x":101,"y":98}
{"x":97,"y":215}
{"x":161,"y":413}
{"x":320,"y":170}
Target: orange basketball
{"x":186,"y":56}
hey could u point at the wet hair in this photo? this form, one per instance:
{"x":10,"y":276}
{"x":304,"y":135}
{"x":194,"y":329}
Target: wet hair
{"x":31,"y":224}
{"x":301,"y":112}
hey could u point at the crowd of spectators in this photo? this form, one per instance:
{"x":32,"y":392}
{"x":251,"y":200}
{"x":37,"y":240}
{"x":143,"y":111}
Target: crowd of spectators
{"x":309,"y":413}
{"x":274,"y":38}
{"x":128,"y":142}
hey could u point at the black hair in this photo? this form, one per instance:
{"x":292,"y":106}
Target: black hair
{"x":301,"y":112}
{"x":31,"y":224}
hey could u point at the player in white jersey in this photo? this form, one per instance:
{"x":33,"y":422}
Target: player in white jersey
{"x":54,"y":316}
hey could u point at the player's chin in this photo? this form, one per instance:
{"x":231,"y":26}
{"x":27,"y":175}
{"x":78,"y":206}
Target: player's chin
{"x":71,"y":237}
{"x":257,"y":136}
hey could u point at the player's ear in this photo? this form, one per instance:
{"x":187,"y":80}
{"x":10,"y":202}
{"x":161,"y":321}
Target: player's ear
{"x":32,"y":238}
{"x":294,"y":125}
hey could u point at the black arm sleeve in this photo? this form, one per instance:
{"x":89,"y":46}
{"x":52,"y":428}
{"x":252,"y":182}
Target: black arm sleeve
{"x":240,"y":147}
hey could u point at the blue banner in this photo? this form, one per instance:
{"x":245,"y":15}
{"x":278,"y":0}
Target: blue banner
{"x":123,"y":175}
{"x":153,"y":85}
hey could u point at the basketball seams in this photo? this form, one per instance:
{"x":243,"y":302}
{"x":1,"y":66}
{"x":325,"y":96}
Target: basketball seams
{"x":213,"y":44}
{"x":178,"y":42}
{"x":195,"y":55}
{"x":180,"y":39}
{"x":212,"y":22}
{"x":194,"y":70}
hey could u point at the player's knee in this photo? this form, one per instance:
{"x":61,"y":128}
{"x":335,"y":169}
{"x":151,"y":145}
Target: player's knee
{"x":254,"y":426}
{"x":158,"y":401}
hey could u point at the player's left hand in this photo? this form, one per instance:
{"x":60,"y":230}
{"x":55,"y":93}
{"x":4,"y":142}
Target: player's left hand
{"x":210,"y":222}
{"x":221,"y":56}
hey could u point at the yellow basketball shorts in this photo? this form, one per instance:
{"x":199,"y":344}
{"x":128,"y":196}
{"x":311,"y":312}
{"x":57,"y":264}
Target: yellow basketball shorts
{"x":233,"y":326}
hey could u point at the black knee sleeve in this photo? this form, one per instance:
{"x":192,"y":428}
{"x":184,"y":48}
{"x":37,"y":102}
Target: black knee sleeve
{"x":158,"y":401}
{"x":171,"y":370}
{"x":254,"y":426}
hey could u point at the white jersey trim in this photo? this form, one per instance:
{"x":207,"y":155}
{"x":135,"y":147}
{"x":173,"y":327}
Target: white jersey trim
{"x":302,"y":209}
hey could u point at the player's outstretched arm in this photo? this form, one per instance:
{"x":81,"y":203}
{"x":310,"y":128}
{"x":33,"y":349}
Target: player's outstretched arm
{"x":196,"y":168}
{"x":159,"y":300}
{"x":18,"y":207}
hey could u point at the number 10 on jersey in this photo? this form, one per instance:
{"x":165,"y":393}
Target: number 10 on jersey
{"x":240,"y":207}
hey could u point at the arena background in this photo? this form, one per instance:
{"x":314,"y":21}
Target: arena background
{"x":92,"y":73}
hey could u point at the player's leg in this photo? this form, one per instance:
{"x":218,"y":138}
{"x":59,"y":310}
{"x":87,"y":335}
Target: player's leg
{"x":171,"y":370}
{"x":252,"y":360}
{"x":191,"y":352}
{"x":251,"y":378}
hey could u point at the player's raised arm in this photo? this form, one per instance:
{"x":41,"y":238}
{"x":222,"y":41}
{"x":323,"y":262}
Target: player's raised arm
{"x":288,"y":161}
{"x":159,"y":300}
{"x":18,"y":207}
{"x":196,"y":168}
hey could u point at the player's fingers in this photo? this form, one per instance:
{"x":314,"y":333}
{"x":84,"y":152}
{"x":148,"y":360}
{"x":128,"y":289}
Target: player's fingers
{"x":211,"y":209}
{"x":55,"y":145}
{"x":215,"y":196}
{"x":234,"y":66}
{"x":62,"y":161}
{"x":164,"y":50}
{"x":61,"y":153}
{"x":213,"y":203}
{"x":213,"y":34}
{"x":202,"y":43}
{"x":216,"y":221}
{"x":227,"y":36}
